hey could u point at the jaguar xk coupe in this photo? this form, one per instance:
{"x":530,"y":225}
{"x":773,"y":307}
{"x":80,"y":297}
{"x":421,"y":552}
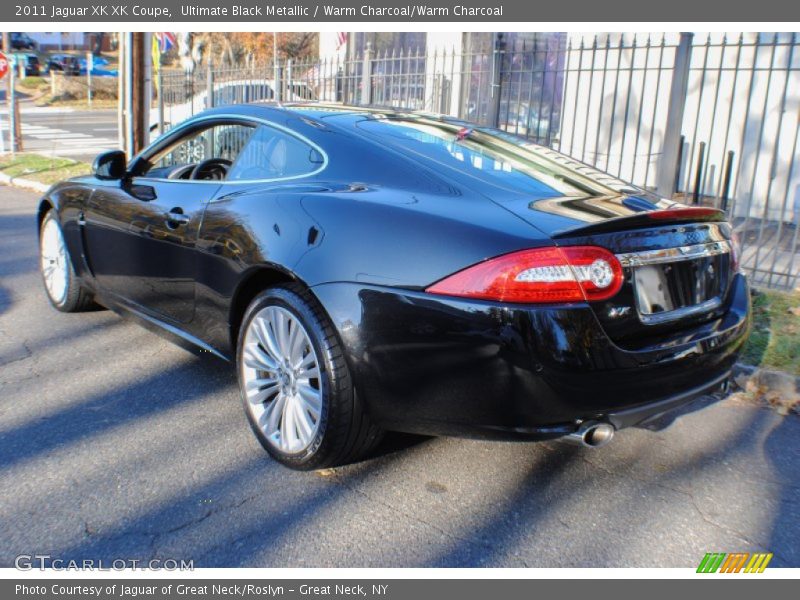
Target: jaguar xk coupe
{"x":370,"y":270}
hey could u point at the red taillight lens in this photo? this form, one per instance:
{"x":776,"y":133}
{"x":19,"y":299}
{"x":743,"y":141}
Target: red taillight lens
{"x":571,"y":274}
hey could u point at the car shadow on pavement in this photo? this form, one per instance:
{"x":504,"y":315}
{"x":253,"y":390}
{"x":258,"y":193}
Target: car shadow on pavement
{"x":238,"y":518}
{"x":153,"y":533}
{"x":71,"y":328}
{"x":395,"y":441}
{"x":785,"y":538}
{"x":245,"y":518}
{"x":15,"y":245}
{"x":111,"y":409}
{"x":5,"y":300}
{"x":535,"y":499}
{"x":240,"y":515}
{"x":539,"y":499}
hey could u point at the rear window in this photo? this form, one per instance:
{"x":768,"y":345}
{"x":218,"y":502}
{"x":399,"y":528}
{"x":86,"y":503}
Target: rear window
{"x":475,"y":152}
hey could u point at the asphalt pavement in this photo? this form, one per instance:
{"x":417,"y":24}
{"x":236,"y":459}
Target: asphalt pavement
{"x":63,"y":131}
{"x":116,"y":444}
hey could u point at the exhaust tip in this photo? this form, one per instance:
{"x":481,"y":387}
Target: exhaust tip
{"x":597,"y":436}
{"x":592,"y":434}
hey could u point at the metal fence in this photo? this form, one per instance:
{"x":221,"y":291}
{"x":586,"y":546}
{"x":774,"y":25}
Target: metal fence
{"x":707,"y":119}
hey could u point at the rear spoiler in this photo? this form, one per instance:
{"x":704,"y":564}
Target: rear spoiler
{"x":670,"y":216}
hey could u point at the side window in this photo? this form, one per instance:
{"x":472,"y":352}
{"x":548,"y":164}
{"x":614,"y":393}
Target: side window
{"x":273,"y":154}
{"x":223,"y":141}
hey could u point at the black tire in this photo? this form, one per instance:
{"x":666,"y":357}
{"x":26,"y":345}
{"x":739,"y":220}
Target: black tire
{"x":76,"y":298}
{"x":345,"y":433}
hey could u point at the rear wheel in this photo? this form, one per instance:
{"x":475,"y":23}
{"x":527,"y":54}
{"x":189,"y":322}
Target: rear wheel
{"x":63,"y":288}
{"x":295,"y":384}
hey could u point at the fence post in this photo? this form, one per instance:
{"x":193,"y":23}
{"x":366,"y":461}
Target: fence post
{"x":160,"y":90}
{"x":366,"y":76}
{"x":670,"y":149}
{"x":278,"y":91}
{"x":497,"y":77}
{"x":210,"y":86}
{"x":288,"y":83}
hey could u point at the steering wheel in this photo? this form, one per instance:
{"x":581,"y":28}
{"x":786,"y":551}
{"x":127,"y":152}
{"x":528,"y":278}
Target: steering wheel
{"x":211,"y":168}
{"x":182,"y":172}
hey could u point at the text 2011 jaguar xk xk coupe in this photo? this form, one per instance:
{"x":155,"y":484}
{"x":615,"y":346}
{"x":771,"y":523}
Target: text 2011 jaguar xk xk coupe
{"x":373,"y":270}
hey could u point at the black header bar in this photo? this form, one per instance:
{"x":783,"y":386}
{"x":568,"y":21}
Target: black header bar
{"x":396,"y":11}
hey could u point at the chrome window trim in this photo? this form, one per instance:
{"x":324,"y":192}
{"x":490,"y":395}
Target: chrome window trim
{"x":676,"y":254}
{"x":233,"y":117}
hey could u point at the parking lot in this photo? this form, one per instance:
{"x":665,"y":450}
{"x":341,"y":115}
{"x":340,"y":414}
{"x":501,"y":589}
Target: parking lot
{"x":115,"y":444}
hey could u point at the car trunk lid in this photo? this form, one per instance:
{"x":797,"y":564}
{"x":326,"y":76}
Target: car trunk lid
{"x":677,"y":261}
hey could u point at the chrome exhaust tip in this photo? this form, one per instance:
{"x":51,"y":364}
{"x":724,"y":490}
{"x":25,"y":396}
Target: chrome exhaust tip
{"x":592,"y":434}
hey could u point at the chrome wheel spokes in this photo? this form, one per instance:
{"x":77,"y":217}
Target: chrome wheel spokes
{"x":281,"y":378}
{"x":53,"y":257}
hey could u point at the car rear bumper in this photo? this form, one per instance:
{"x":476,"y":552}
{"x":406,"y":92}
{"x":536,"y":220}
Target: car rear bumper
{"x":445,"y":366}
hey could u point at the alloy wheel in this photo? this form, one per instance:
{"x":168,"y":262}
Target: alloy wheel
{"x":55,"y":267}
{"x":281,"y":379}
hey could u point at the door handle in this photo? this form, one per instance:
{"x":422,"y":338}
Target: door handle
{"x":176,"y":218}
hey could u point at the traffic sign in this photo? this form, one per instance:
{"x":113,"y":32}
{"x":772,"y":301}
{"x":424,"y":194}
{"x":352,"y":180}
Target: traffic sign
{"x":3,"y":65}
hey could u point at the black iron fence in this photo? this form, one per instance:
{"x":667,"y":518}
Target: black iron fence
{"x":707,"y":119}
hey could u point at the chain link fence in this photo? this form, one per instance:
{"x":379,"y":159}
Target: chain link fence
{"x":706,"y":119}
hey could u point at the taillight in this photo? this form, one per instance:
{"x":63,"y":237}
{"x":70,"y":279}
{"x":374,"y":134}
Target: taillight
{"x":570,"y":274}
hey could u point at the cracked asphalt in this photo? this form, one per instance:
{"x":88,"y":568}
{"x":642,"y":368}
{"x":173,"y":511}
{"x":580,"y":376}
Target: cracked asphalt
{"x":117,"y":444}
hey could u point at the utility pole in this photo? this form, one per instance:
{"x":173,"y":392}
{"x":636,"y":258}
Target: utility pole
{"x":139,"y":97}
{"x":11,"y":100}
{"x":121,"y":91}
{"x":134,"y":93}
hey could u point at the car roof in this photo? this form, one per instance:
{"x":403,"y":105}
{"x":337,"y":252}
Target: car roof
{"x":325,"y":113}
{"x":565,"y":172}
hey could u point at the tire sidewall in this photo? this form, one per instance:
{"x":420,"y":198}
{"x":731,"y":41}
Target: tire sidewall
{"x":284,"y":298}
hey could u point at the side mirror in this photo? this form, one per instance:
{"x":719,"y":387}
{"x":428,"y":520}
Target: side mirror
{"x":110,"y":165}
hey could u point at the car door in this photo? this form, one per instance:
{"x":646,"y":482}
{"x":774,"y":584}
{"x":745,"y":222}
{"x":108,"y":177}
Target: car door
{"x":141,"y":232}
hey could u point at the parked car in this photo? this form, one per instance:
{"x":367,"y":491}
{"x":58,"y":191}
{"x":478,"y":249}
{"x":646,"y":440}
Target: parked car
{"x":31,"y":62}
{"x":98,"y":67}
{"x":97,"y":61}
{"x":21,"y":41}
{"x":65,"y":63}
{"x":371,"y":270}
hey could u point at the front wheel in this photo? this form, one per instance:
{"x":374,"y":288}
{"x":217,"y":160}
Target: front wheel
{"x":296,"y":386}
{"x":63,"y":288}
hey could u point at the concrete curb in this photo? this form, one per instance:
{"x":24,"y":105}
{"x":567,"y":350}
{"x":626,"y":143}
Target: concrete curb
{"x":27,"y":184}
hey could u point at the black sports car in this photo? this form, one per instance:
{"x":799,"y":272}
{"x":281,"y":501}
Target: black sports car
{"x":371,"y":269}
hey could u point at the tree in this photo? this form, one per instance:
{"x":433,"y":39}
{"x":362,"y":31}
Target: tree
{"x":97,"y":47}
{"x":255,"y":47}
